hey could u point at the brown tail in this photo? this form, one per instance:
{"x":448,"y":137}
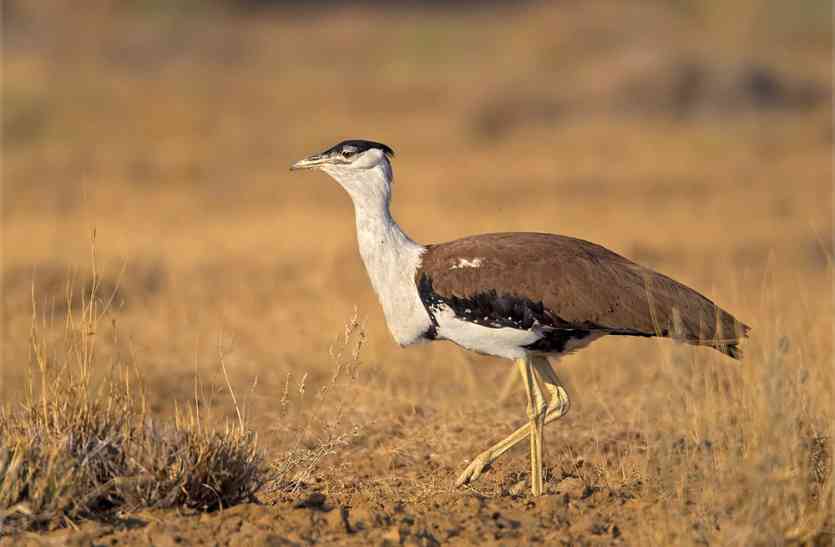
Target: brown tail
{"x":728,"y":347}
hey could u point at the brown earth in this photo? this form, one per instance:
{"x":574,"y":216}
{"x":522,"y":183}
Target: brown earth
{"x":695,"y":141}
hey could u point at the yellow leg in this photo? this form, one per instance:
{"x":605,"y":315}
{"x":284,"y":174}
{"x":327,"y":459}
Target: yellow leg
{"x":536,"y":417}
{"x":558,"y":406}
{"x":558,"y":403}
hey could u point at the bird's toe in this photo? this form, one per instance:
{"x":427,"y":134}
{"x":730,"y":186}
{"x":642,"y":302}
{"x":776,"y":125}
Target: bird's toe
{"x":473,"y":471}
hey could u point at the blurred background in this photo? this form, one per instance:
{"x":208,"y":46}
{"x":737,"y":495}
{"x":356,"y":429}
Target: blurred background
{"x":693,"y":137}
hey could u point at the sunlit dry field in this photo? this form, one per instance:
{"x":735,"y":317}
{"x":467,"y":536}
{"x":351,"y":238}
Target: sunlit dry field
{"x":696,"y":141}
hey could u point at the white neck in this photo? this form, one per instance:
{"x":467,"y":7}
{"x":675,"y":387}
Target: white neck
{"x":391,"y":258}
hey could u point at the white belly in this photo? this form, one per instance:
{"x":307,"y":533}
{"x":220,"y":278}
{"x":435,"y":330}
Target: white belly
{"x":502,"y":342}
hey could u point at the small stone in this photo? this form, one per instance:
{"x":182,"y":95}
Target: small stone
{"x":361,"y":518}
{"x":572,"y":487}
{"x":599,"y":528}
{"x":316,"y":500}
{"x":392,"y":534}
{"x":272,"y":540}
{"x":164,"y":539}
{"x":518,"y":488}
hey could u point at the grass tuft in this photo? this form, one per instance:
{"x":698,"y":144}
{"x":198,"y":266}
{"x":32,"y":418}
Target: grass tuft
{"x":77,"y":449}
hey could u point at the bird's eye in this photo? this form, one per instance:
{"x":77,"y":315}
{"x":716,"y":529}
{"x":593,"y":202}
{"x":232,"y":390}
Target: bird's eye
{"x":347,"y":153}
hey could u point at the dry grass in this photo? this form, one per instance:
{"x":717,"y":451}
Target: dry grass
{"x":695,"y":141}
{"x":72,"y":450}
{"x":77,"y":449}
{"x":318,"y":424}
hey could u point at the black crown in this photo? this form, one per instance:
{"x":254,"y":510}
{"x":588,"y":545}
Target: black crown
{"x":359,"y":146}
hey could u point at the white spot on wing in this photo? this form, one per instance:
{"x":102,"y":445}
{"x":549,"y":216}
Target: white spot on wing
{"x":464,"y":263}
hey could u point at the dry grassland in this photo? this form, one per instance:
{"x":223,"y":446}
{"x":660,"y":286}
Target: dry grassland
{"x":695,"y":140}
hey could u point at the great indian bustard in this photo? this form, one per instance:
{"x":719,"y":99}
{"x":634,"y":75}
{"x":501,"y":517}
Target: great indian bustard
{"x":521,"y":296}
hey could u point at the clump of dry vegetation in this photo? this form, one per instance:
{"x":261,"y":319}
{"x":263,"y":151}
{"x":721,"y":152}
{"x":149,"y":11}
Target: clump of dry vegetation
{"x":322,"y":426}
{"x":80,"y":449}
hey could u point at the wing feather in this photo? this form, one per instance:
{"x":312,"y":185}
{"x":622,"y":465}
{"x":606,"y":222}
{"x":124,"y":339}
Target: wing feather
{"x":580,"y":285}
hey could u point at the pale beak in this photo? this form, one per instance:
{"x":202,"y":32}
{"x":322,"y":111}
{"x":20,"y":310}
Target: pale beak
{"x":309,"y":163}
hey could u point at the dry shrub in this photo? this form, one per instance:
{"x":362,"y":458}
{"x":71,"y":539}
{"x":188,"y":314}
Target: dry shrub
{"x":77,"y":449}
{"x":322,"y":424}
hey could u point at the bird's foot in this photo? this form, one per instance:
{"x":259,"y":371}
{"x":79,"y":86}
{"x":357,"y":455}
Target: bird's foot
{"x":473,"y":471}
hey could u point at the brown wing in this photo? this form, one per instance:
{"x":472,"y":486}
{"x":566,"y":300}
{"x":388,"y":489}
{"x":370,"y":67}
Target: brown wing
{"x":577,"y":285}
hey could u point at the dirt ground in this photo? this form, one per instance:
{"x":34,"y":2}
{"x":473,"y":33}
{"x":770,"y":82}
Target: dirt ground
{"x":694,"y":140}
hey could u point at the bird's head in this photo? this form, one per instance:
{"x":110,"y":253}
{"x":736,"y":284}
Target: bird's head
{"x":362,"y":167}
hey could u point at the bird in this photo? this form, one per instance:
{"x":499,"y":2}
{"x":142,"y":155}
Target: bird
{"x":523,"y":296}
